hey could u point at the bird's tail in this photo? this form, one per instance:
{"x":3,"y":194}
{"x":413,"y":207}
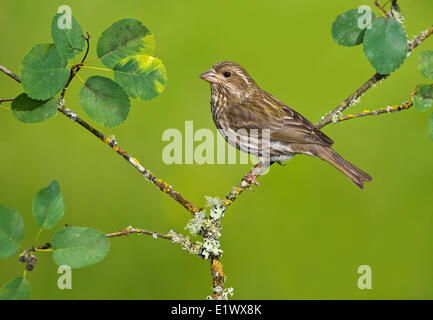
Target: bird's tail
{"x":353,"y":173}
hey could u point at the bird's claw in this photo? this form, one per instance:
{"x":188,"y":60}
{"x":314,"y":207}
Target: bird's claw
{"x":251,"y":179}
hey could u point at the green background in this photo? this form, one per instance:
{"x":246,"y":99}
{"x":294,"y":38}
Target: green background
{"x":303,"y":233}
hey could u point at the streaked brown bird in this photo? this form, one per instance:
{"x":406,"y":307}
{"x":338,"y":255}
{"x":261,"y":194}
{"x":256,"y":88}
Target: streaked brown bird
{"x":256,"y":122}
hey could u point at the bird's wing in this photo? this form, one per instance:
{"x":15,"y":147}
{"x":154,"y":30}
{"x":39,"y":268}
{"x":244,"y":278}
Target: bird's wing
{"x":285,"y":124}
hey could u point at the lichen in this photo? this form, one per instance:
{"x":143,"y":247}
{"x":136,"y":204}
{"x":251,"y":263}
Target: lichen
{"x":217,"y":212}
{"x":222,"y":294}
{"x":354,"y":101}
{"x":211,"y":246}
{"x":185,"y":242}
{"x":195,"y":225}
{"x":212,"y":201}
{"x":395,"y":12}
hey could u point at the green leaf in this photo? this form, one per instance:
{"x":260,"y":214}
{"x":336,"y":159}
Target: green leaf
{"x":48,"y":206}
{"x":425,"y":90}
{"x":104,"y":101}
{"x":423,"y":99}
{"x":141,"y":76}
{"x":28,"y":110}
{"x":69,"y":41}
{"x":122,"y":39}
{"x":385,"y":45}
{"x":79,"y":247}
{"x":430,"y":126}
{"x":420,"y":104}
{"x":425,"y":64}
{"x":11,"y":231}
{"x":44,"y":72}
{"x":16,"y":289}
{"x":346,"y":30}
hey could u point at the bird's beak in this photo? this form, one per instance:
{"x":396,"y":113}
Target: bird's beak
{"x":209,"y":76}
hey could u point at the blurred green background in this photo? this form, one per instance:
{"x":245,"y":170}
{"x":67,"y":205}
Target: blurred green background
{"x":303,"y":233}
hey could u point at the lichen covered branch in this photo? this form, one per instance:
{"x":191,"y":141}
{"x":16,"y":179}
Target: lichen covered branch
{"x":388,"y":109}
{"x":218,"y":277}
{"x":127,"y":231}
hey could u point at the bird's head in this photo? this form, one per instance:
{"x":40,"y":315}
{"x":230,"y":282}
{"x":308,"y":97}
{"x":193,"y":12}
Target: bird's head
{"x":231,"y":78}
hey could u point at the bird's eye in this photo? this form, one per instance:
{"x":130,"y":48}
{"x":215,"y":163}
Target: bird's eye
{"x":227,"y":74}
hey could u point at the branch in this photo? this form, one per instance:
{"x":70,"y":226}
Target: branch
{"x":5,"y":100}
{"x":236,"y":192}
{"x":389,"y":109}
{"x":162,"y":185}
{"x":10,"y":74}
{"x":130,"y":230}
{"x":184,"y":242}
{"x":369,"y":83}
{"x":218,"y":277}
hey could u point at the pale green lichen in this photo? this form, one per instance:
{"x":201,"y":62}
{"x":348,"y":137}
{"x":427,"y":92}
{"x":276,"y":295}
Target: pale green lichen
{"x":185,"y":242}
{"x":212,"y":201}
{"x":396,"y":13}
{"x":224,"y":294}
{"x":211,"y":246}
{"x":209,"y":227}
{"x":217,"y":212}
{"x":216,"y":207}
{"x":195,"y":225}
{"x":211,"y":234}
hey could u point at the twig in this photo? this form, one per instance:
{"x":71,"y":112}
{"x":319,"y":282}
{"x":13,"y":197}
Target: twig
{"x":162,"y":185}
{"x":10,"y":74}
{"x":5,"y":100}
{"x":76,"y":68}
{"x":235,"y":192}
{"x":369,"y":83}
{"x":381,"y":8}
{"x":130,"y":230}
{"x":389,"y":109}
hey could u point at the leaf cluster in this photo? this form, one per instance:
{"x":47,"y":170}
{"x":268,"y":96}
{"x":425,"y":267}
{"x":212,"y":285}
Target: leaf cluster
{"x":126,"y":48}
{"x":76,"y":247}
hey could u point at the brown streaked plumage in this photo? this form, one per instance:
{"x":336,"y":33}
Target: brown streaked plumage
{"x":244,"y":114}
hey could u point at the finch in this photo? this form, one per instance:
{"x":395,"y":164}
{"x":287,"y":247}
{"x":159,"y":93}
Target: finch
{"x":256,"y":122}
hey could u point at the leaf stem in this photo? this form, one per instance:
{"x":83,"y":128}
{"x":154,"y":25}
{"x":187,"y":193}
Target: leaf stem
{"x":43,"y":250}
{"x":37,"y":237}
{"x":76,"y":67}
{"x":381,"y":8}
{"x":95,"y":68}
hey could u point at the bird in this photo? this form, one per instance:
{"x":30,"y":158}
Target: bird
{"x":254,"y":121}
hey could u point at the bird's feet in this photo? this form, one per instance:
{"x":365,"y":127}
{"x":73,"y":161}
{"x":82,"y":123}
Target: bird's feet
{"x":250,"y":178}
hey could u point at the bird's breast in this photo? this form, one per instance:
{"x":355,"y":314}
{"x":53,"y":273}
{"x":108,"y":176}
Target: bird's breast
{"x":218,"y":105}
